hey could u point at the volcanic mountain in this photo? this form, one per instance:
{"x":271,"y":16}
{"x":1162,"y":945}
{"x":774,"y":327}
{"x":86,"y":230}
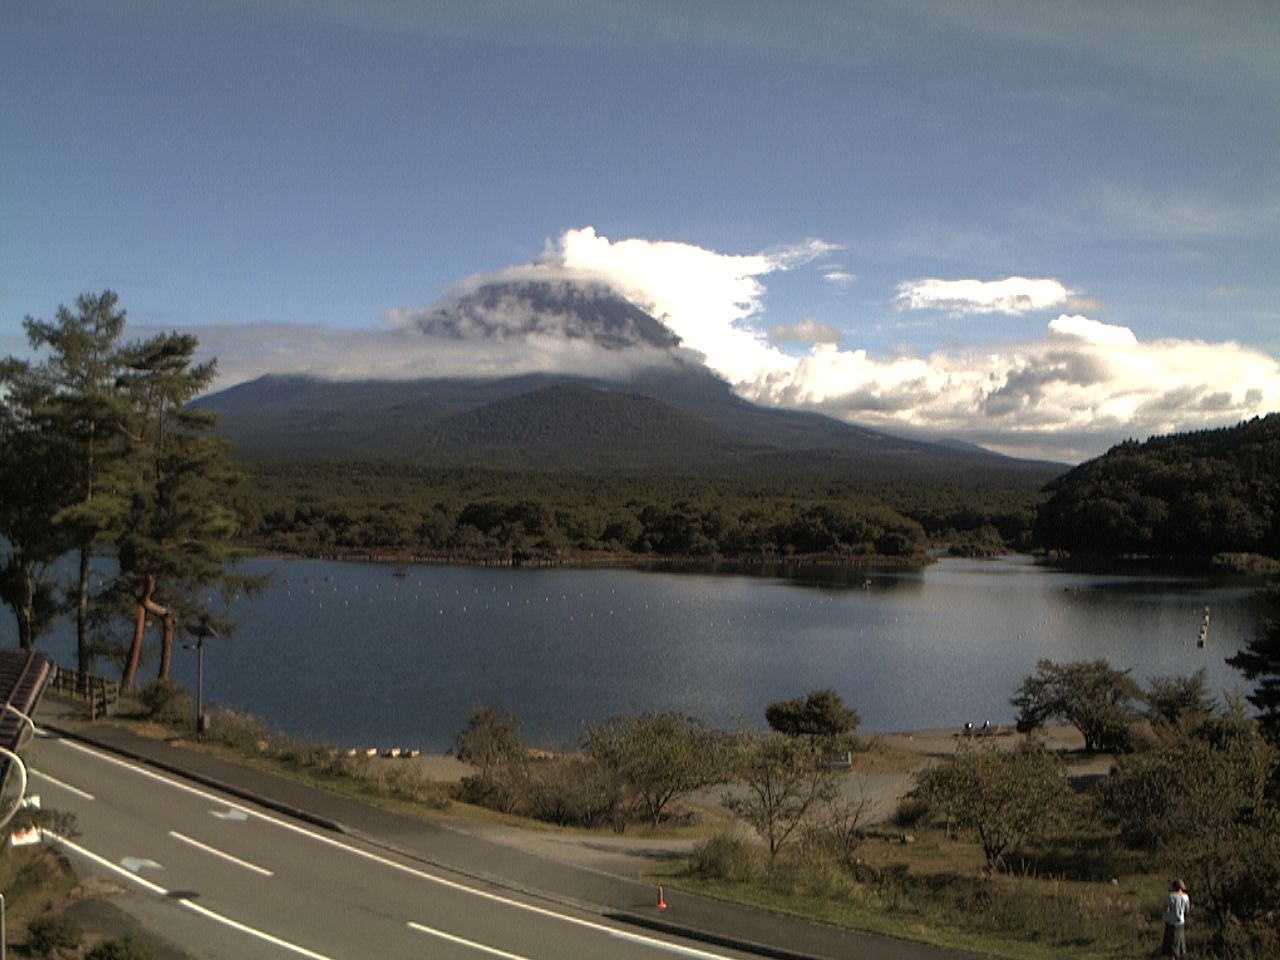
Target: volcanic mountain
{"x":669,"y":414}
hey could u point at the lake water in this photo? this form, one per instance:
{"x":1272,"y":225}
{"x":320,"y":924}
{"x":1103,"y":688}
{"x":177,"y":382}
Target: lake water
{"x":362,"y":653}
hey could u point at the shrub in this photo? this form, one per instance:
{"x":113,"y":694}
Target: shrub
{"x":238,"y":730}
{"x":167,"y":701}
{"x":911,"y":812}
{"x":572,"y":791}
{"x":492,"y":736}
{"x":53,"y":931}
{"x":658,"y":757}
{"x":727,"y":856}
{"x":124,"y":947}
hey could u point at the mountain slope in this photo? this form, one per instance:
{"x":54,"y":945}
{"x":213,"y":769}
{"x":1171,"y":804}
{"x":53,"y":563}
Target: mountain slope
{"x":680,"y":420}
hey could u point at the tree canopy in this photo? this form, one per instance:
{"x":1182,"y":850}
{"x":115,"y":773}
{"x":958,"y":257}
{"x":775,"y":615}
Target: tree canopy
{"x":1093,"y":696}
{"x":1191,"y":494}
{"x":1260,"y":661}
{"x":102,"y":453}
{"x":820,"y":713}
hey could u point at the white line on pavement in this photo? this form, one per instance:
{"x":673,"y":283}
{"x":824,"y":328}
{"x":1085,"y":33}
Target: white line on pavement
{"x":492,"y":951}
{"x":219,"y":853}
{"x":65,"y":786}
{"x":190,"y":905}
{"x":405,"y":868}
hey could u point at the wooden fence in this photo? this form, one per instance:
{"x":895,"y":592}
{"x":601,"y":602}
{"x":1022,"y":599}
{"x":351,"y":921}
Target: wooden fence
{"x":102,"y":695}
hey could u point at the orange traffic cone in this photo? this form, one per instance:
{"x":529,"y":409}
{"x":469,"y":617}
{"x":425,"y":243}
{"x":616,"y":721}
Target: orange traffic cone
{"x":662,"y":903}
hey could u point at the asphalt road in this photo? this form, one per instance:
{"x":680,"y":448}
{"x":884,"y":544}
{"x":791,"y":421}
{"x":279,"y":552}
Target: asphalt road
{"x":225,"y":879}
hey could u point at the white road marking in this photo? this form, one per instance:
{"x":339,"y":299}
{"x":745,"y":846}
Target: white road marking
{"x":219,"y":853}
{"x":65,"y":786}
{"x":190,"y":905}
{"x":238,"y":816}
{"x":137,"y":864}
{"x":401,"y":867}
{"x":492,"y":951}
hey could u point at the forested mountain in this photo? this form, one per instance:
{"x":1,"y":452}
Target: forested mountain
{"x":1192,"y":494}
{"x":679,"y":418}
{"x":664,"y":460}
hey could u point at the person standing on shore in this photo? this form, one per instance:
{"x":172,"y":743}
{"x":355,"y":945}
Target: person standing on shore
{"x":1176,"y":906}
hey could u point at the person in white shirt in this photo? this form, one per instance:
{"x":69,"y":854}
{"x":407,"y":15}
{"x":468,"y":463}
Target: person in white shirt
{"x":1176,"y":906}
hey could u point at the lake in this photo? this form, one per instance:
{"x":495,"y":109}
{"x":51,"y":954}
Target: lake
{"x":363,"y":653}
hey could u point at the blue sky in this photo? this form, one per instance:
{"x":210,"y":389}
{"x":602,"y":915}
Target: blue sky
{"x":1045,"y":227}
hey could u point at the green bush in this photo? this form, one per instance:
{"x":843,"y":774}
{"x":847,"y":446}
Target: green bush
{"x":238,"y":730}
{"x":728,"y":857}
{"x":167,"y":701}
{"x":911,"y":813}
{"x":53,"y":931}
{"x":124,"y":947}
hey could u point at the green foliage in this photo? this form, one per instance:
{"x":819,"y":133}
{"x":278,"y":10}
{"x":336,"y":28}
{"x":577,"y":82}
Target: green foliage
{"x":99,"y":447}
{"x":53,"y":931}
{"x":491,"y":737}
{"x":1260,"y":661}
{"x":373,"y":508}
{"x":821,"y":713}
{"x":1092,"y":696}
{"x":1001,"y":797}
{"x":726,"y":856}
{"x":1175,"y":700}
{"x":784,"y":784}
{"x":166,"y":701}
{"x":1191,"y":494}
{"x":127,"y":946}
{"x":658,"y":756}
{"x":1201,"y":806}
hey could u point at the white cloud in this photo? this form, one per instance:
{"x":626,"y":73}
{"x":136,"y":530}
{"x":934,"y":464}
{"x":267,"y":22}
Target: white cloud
{"x":1091,"y":331}
{"x":959,"y":297}
{"x":245,"y":352}
{"x":1080,"y":387}
{"x":1070,"y":393}
{"x":840,"y":278}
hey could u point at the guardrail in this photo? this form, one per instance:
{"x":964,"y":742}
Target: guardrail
{"x":102,"y":695}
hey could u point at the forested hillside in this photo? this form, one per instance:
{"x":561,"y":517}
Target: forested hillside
{"x":392,"y":510}
{"x":1194,"y":494}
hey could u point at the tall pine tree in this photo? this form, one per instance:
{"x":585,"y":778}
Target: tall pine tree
{"x":85,"y":410}
{"x":176,"y":542}
{"x":1260,"y":661}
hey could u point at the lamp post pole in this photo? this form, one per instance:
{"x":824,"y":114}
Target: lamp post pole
{"x":199,"y":690}
{"x":200,"y":630}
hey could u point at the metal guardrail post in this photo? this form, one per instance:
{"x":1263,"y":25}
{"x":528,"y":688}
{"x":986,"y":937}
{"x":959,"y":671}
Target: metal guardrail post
{"x":22,"y":784}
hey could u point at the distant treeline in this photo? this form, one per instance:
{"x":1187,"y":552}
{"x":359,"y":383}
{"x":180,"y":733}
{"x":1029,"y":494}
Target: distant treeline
{"x":487,"y":516}
{"x":1191,"y":494}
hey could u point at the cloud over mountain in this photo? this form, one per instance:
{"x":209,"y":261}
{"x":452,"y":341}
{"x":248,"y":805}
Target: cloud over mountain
{"x":1069,"y":388}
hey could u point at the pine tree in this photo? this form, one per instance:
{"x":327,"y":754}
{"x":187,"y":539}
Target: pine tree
{"x":34,"y":484}
{"x":176,"y":541}
{"x":83,"y":410}
{"x":1260,"y":661}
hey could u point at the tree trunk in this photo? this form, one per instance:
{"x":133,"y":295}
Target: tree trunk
{"x":166,"y":640}
{"x":26,"y":607}
{"x":135,"y":648}
{"x":146,"y":604}
{"x":167,"y":620}
{"x":82,"y":612}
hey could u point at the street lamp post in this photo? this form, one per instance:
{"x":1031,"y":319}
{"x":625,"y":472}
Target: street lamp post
{"x":201,"y":631}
